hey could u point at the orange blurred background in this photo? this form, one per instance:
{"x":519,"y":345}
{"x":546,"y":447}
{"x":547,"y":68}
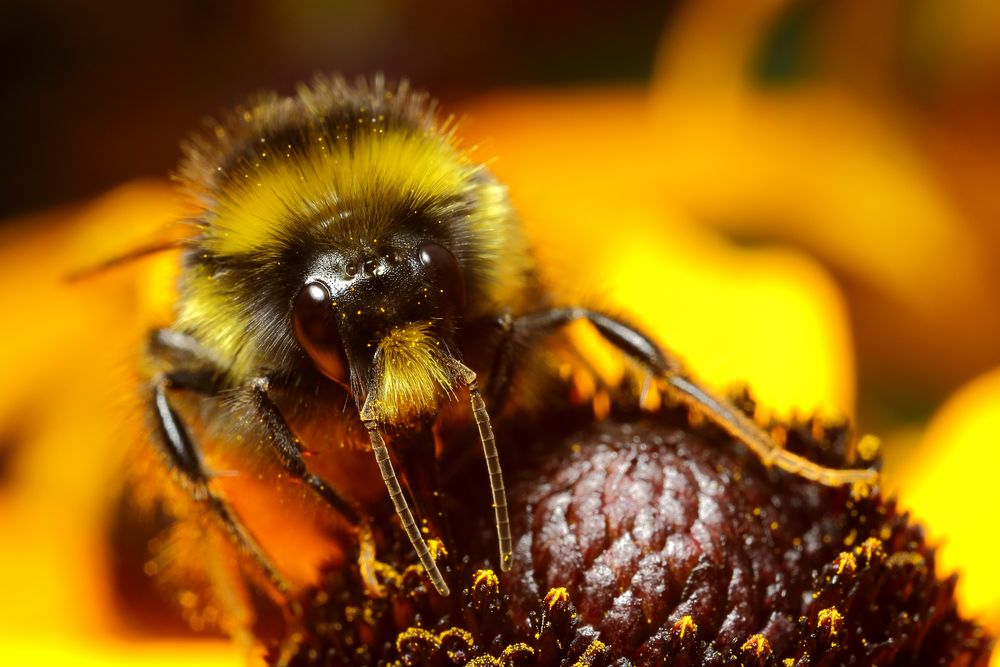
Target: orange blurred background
{"x":798,"y":196}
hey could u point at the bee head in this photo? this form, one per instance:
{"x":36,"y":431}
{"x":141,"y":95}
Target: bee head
{"x":382,"y":318}
{"x":346,"y":231}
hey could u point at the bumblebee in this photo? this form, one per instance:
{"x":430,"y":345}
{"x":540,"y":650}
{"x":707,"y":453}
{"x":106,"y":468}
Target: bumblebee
{"x":353,"y":269}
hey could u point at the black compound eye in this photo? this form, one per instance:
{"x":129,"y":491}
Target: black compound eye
{"x":316,"y":330}
{"x":447,"y":274}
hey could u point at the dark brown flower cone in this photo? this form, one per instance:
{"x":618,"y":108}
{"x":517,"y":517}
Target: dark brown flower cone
{"x":642,"y":539}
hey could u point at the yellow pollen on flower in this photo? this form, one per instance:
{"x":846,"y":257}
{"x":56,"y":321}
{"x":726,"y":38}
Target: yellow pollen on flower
{"x":684,"y":625}
{"x":901,"y":558}
{"x":868,"y":447}
{"x":871,"y":549}
{"x":436,"y":547}
{"x":486,"y":578}
{"x":555,"y":596}
{"x":416,"y":635}
{"x":514,"y":649}
{"x":846,"y":561}
{"x":595,"y":648}
{"x":758,"y":644}
{"x":830,"y":618}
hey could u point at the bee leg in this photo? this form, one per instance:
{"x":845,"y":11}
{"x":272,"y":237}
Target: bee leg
{"x":501,"y":370}
{"x":744,"y":429}
{"x":289,"y":452}
{"x":719,"y":410}
{"x":183,"y":456}
{"x":642,"y":349}
{"x":181,"y":349}
{"x":521,"y":332}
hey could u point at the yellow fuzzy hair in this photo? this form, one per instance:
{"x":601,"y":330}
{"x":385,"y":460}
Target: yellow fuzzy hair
{"x":253,"y":210}
{"x":412,"y":374}
{"x":292,"y":168}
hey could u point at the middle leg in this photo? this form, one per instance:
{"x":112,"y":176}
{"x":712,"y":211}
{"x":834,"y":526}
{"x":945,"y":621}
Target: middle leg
{"x":642,"y":349}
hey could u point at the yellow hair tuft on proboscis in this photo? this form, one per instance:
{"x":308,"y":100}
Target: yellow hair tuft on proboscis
{"x":412,"y":374}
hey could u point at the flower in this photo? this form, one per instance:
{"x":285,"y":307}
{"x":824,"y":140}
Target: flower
{"x":646,"y":539}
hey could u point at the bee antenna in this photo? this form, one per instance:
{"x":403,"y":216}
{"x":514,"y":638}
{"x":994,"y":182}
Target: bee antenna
{"x":399,"y":502}
{"x":492,"y":466}
{"x":132,"y":255}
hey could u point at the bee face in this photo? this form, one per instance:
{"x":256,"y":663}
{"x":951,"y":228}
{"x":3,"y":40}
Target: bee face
{"x":353,"y":303}
{"x":374,"y":291}
{"x":345,"y":235}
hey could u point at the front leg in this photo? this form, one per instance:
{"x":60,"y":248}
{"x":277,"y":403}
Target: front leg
{"x":289,"y":450}
{"x":519,"y":333}
{"x":183,"y":457}
{"x":535,"y":326}
{"x":174,"y":347}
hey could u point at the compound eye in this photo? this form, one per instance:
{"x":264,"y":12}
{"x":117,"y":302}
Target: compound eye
{"x":447,"y":274}
{"x":316,"y":330}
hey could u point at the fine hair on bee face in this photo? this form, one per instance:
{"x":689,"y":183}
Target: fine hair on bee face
{"x":346,"y":245}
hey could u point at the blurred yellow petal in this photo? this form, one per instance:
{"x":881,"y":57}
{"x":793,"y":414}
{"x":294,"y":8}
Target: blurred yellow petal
{"x":949,"y":481}
{"x":583,"y":175}
{"x":70,"y":652}
{"x":818,"y":170}
{"x":844,"y":167}
{"x":68,"y":355}
{"x":771,"y":318}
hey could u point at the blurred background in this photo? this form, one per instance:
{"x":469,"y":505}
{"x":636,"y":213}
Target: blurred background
{"x":800,"y":196}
